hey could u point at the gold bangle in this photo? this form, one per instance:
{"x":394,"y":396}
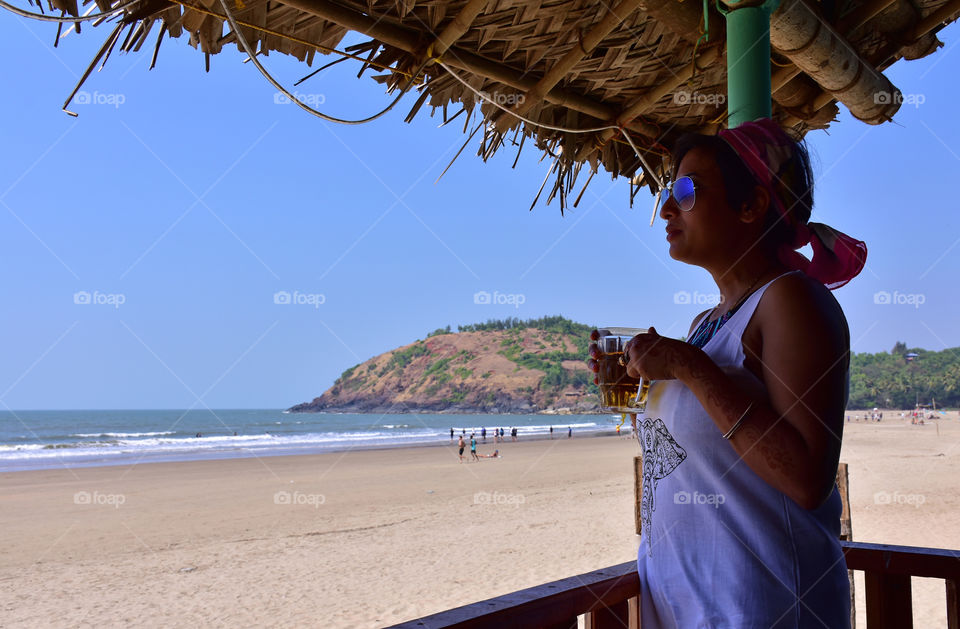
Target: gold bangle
{"x":736,"y":426}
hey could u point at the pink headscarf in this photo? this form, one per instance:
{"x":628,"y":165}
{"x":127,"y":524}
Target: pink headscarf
{"x":837,"y":258}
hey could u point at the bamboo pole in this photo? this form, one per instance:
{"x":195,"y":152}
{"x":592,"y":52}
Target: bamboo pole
{"x":849,"y":24}
{"x":455,"y":29}
{"x":824,"y":54}
{"x":922,"y":28}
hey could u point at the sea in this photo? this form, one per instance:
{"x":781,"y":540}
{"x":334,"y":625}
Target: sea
{"x":32,"y":440}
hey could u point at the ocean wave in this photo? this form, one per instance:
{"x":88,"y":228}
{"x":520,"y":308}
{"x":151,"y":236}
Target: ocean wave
{"x":262,"y":439}
{"x":214,"y":443}
{"x":124,"y":434}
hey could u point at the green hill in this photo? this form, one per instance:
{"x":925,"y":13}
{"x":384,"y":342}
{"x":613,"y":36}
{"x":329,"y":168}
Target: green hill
{"x":501,"y":366}
{"x":537,"y":365}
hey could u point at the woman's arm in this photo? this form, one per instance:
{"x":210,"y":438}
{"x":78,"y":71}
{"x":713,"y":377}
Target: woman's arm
{"x":792,"y":438}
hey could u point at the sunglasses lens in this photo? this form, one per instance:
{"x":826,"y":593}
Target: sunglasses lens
{"x":664,"y":197}
{"x":684,"y":193}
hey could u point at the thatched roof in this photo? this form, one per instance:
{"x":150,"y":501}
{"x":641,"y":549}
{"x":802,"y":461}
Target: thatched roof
{"x":644,"y":67}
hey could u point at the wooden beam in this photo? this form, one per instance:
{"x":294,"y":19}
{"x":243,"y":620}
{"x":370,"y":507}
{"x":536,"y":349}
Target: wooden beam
{"x":935,"y":563}
{"x":783,"y":76}
{"x":927,"y":24}
{"x":562,"y":68}
{"x":414,"y":43}
{"x":846,"y":531}
{"x":889,"y":601}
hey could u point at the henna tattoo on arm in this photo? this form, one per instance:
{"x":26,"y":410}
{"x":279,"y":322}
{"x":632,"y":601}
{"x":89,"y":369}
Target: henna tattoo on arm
{"x":770,"y":446}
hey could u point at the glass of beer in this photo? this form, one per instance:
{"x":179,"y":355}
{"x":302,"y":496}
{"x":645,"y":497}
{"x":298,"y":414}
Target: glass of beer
{"x":618,"y":391}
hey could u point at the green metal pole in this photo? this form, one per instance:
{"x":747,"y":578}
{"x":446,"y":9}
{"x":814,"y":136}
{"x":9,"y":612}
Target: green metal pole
{"x":748,"y":61}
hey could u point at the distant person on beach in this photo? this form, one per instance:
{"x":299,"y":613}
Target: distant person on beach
{"x":513,"y":433}
{"x":551,"y":432}
{"x":461,"y":445}
{"x":501,"y":434}
{"x":569,"y":432}
{"x":742,"y":432}
{"x":451,"y":434}
{"x":483,"y":434}
{"x":473,"y":448}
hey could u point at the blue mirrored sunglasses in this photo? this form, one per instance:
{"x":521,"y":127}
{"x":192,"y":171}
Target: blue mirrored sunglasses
{"x":682,"y":190}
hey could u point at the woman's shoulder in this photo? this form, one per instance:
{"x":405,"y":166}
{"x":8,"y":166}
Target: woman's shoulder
{"x":797,"y":289}
{"x":797,"y":299}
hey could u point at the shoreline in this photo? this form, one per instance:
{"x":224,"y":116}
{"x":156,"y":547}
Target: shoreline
{"x":227,"y":455}
{"x":308,"y":442}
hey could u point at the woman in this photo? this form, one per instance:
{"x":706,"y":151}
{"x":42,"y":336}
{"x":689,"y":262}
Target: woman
{"x":741,"y":438}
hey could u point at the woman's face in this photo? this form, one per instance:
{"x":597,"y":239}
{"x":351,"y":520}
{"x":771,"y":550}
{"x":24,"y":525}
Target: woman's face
{"x":712,"y":230}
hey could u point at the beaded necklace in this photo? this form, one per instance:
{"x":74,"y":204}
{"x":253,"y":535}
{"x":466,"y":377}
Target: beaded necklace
{"x":708,"y":329}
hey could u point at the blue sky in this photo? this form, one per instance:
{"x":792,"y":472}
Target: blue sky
{"x":195,"y":198}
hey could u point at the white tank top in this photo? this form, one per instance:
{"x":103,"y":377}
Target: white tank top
{"x":719,"y":546}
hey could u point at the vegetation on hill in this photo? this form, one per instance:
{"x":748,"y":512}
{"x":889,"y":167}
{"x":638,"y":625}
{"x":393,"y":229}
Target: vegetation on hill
{"x":523,"y":365}
{"x":503,"y":365}
{"x":904,"y":376}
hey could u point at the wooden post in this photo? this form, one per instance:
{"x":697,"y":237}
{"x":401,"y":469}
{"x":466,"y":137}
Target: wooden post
{"x":953,"y":604}
{"x":889,"y":601}
{"x":613,"y":616}
{"x":633,"y":617}
{"x":637,"y":491}
{"x":846,"y":531}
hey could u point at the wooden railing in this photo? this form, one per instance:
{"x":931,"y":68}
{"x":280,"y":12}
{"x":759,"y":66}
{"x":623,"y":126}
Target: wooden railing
{"x":607,"y":598}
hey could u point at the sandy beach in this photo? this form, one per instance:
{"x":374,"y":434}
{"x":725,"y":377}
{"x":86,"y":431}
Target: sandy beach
{"x":369,"y":538}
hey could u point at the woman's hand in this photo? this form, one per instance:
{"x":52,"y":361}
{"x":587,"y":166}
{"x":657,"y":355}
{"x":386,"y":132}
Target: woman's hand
{"x":654,"y":357}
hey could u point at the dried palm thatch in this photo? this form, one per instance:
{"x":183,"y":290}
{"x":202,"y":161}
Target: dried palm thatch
{"x":585,"y":81}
